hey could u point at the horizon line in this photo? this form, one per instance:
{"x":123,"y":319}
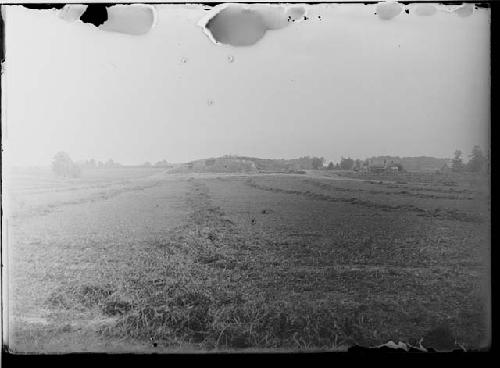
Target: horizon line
{"x":229,"y":156}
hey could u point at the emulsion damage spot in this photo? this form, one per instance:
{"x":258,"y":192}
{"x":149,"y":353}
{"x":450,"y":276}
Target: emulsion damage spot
{"x":296,"y":12}
{"x":273,"y":17}
{"x":239,"y":25}
{"x":72,"y":12}
{"x":95,"y":14}
{"x":425,"y":10}
{"x":132,"y":19}
{"x":388,"y":10}
{"x":465,"y":10}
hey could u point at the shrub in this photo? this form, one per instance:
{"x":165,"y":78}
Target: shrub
{"x":62,"y":165}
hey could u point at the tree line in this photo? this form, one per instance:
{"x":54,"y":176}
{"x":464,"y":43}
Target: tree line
{"x":64,"y":166}
{"x":478,"y":161}
{"x":347,"y":163}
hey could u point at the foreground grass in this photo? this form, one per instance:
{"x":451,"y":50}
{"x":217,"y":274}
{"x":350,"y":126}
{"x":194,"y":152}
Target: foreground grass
{"x":272,"y":263}
{"x":211,"y":284}
{"x":199,"y":288}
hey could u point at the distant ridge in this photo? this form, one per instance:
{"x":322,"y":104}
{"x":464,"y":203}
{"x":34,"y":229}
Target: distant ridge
{"x":246,"y":164}
{"x":230,"y":163}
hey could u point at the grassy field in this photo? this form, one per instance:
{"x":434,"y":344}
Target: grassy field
{"x":144,"y":260}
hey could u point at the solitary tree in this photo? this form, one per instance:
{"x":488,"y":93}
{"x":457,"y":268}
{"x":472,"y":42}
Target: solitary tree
{"x":330,"y":166}
{"x":457,"y":164}
{"x":346,"y":163}
{"x":317,"y":162}
{"x":62,"y":165}
{"x":357,"y":163}
{"x":164,"y":163}
{"x":477,"y":160}
{"x":109,"y":163}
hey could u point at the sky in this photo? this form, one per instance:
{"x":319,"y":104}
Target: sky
{"x":348,"y":84}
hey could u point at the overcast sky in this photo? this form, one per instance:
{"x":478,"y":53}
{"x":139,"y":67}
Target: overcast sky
{"x":349,"y":84}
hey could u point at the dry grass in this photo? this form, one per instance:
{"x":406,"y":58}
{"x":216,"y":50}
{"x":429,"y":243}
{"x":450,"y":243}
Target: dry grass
{"x":274,"y":262}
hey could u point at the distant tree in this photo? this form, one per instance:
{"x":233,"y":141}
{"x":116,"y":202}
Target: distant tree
{"x":162,"y":163}
{"x":147,"y":164}
{"x":346,"y":163}
{"x":110,"y":163}
{"x":317,"y":162}
{"x":88,"y":164}
{"x":63,"y":165}
{"x":457,"y":163}
{"x":357,"y":164}
{"x":478,"y":161}
{"x":330,"y":166}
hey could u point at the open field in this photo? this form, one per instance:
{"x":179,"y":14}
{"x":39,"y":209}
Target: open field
{"x":145,"y":260}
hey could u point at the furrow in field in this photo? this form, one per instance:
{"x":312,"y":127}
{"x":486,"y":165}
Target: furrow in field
{"x":405,"y":193}
{"x":45,"y":209}
{"x":451,"y":214}
{"x":230,"y":263}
